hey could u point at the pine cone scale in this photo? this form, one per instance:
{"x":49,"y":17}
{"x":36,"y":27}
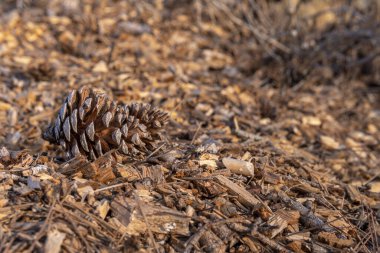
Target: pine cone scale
{"x":62,"y":112}
{"x":74,"y":120}
{"x":67,"y":129}
{"x":90,"y":131}
{"x":83,"y":142}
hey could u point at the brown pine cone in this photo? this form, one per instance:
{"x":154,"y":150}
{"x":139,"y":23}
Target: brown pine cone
{"x":89,"y":123}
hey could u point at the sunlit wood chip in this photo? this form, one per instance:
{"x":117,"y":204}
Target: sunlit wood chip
{"x":54,"y":241}
{"x":239,"y":166}
{"x":103,"y":208}
{"x":329,"y":142}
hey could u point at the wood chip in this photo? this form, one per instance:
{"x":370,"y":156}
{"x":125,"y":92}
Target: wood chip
{"x":329,"y":142}
{"x":54,"y":241}
{"x":102,"y":208}
{"x":159,"y":219}
{"x":358,"y":197}
{"x":243,"y":195}
{"x":239,"y":167}
{"x":311,"y":120}
{"x":334,"y":241}
{"x":100,"y":67}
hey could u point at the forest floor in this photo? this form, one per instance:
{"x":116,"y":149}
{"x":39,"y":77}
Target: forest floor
{"x":273,"y":143}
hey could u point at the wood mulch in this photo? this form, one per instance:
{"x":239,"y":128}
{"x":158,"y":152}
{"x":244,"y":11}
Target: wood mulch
{"x":271,"y":147}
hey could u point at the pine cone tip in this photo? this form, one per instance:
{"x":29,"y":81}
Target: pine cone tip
{"x":48,"y":134}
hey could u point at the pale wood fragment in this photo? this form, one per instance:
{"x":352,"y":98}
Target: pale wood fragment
{"x":54,"y":241}
{"x":160,"y":219}
{"x":239,"y":166}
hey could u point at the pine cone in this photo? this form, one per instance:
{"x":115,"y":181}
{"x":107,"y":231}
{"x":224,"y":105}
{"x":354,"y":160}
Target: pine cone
{"x":89,"y":123}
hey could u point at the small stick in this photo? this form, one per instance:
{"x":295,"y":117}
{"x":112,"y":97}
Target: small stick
{"x":269,"y":242}
{"x":155,"y":151}
{"x":195,"y":134}
{"x":190,"y":243}
{"x":309,"y":218}
{"x":110,"y":187}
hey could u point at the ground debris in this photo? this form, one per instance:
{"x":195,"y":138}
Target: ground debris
{"x":272,"y":143}
{"x":138,"y":217}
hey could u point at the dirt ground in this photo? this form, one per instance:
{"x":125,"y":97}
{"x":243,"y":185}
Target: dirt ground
{"x":273,"y":139}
